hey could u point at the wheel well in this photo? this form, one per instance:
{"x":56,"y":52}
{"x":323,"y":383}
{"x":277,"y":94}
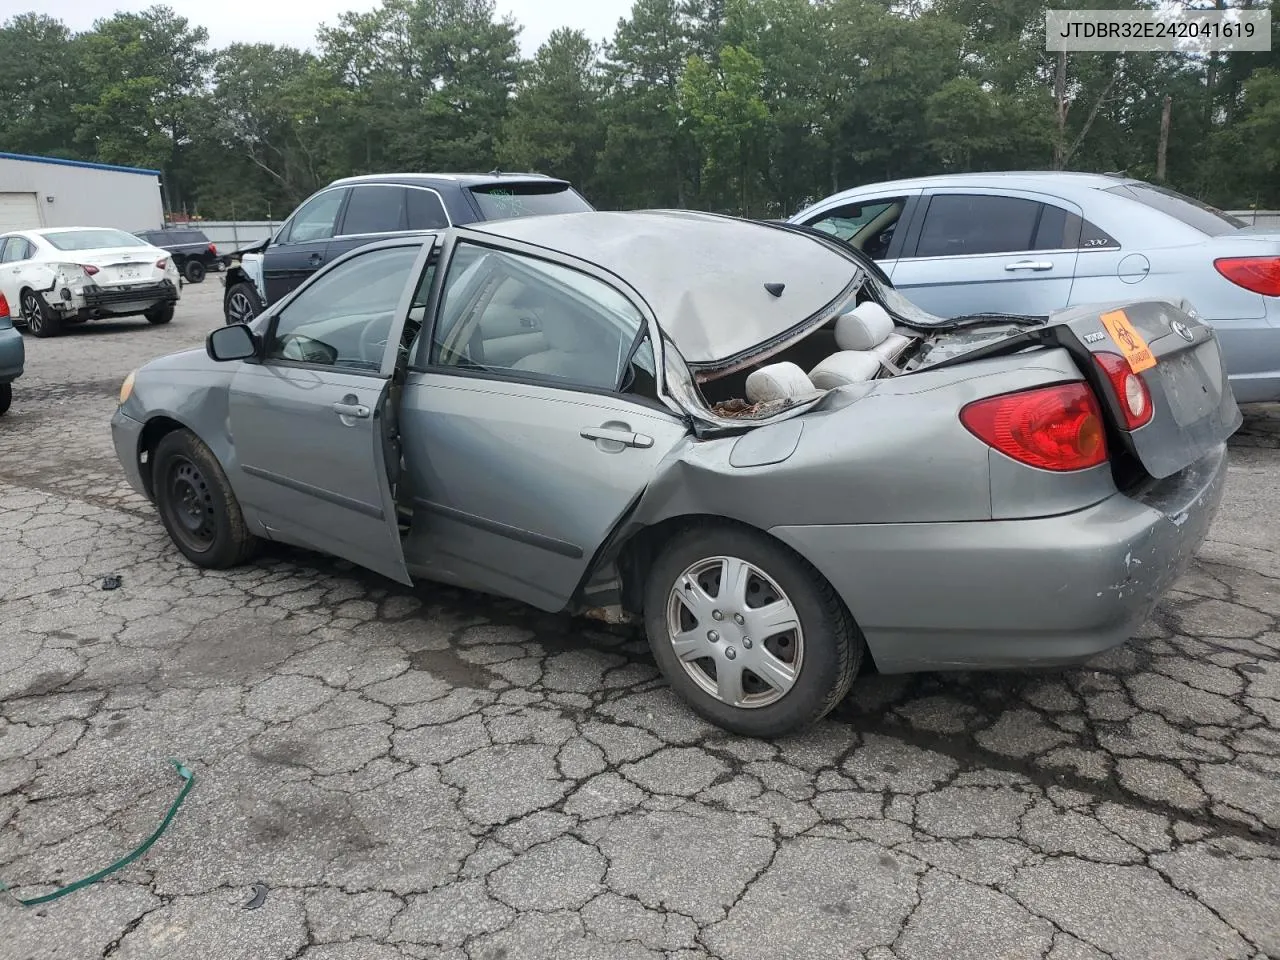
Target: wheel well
{"x":638,"y":552}
{"x":232,"y":276}
{"x":156,"y":429}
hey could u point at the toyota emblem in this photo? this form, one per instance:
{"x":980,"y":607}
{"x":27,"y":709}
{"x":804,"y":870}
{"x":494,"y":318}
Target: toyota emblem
{"x":1182,"y":330}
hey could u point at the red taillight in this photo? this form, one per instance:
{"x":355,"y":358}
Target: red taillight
{"x":1259,"y":274}
{"x":1053,"y":428}
{"x":89,"y":269}
{"x":162,"y":263}
{"x":4,"y":307}
{"x":1130,"y":390}
{"x":213,"y":249}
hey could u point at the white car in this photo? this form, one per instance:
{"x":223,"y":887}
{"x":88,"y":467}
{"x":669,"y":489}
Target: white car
{"x":68,"y":275}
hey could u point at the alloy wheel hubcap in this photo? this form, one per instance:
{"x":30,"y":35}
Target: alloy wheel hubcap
{"x":240,"y":309}
{"x":736,"y":632}
{"x":31,"y":313}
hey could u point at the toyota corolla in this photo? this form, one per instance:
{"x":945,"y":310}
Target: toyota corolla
{"x":736,"y":433}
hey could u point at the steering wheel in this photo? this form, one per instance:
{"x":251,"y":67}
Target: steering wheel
{"x":371,"y":350}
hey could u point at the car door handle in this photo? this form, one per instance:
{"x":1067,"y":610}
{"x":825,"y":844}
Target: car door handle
{"x":314,"y":259}
{"x":625,"y":437}
{"x":1029,"y":265}
{"x":357,"y":410}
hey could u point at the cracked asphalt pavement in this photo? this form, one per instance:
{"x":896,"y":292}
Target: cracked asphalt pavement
{"x":429,"y":773}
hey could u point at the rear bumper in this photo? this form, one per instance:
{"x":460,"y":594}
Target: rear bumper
{"x":1012,"y":593}
{"x":13,"y":354}
{"x":126,"y":435}
{"x":107,"y":298}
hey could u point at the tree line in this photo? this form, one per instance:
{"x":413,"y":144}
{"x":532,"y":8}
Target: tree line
{"x":745,"y":106}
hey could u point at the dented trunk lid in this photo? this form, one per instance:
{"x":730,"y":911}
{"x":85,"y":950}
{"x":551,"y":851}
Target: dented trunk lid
{"x":1166,"y":344}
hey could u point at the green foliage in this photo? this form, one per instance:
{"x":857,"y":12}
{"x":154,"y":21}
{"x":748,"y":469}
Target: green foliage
{"x":746,"y":106}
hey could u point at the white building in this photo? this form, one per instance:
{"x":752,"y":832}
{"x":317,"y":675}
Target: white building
{"x":40,"y":192}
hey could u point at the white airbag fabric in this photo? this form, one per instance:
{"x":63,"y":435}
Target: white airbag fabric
{"x":864,"y":327}
{"x":843,"y":368}
{"x":777,"y":381}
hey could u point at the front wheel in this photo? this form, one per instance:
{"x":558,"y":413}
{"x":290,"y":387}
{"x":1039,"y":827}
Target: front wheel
{"x":750,"y":635}
{"x":160,"y":314}
{"x":6,"y":397}
{"x":193,"y":270}
{"x":196,"y":504}
{"x":243,"y":304}
{"x":40,"y":320}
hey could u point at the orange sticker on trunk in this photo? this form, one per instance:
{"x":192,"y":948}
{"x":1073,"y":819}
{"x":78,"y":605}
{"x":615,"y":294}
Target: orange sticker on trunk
{"x":1128,"y":340}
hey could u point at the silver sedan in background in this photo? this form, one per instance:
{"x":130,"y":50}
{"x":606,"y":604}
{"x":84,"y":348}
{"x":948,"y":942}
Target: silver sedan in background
{"x":729,"y":431}
{"x":1035,"y":242}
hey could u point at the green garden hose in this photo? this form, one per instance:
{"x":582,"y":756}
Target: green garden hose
{"x":186,"y":775}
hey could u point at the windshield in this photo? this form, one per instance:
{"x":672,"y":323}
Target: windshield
{"x":500,"y":201}
{"x":92,"y":239}
{"x":1200,"y":216}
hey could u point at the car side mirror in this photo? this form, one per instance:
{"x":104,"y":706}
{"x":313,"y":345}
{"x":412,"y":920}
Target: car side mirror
{"x":232,"y":342}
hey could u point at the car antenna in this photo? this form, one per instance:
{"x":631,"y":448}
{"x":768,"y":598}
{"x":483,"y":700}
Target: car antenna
{"x":775,"y":288}
{"x":495,"y":172}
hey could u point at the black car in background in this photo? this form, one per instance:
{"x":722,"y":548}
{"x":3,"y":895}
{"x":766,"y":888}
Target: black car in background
{"x":194,"y":254}
{"x":359,"y":210}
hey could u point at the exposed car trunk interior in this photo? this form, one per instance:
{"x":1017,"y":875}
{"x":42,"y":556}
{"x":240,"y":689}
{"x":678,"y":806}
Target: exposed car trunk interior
{"x":861,"y":344}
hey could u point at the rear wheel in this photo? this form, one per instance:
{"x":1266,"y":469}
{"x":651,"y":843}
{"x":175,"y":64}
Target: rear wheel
{"x":40,"y":320}
{"x":193,"y":270}
{"x":6,"y":397}
{"x":748,"y":633}
{"x":196,"y":504}
{"x":243,"y":304}
{"x":160,"y":314}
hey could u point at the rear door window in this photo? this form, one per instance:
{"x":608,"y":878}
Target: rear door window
{"x":1199,"y":216}
{"x":500,"y":201}
{"x":374,"y":209}
{"x":958,"y":225}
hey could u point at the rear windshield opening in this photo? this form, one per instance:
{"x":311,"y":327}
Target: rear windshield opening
{"x":92,"y":239}
{"x":1200,"y":216}
{"x":500,"y":201}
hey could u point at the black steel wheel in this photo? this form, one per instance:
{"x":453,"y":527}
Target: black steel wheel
{"x":193,"y":270}
{"x":196,"y":503}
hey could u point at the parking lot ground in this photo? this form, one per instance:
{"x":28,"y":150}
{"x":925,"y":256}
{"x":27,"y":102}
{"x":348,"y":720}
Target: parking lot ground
{"x":430,"y":773}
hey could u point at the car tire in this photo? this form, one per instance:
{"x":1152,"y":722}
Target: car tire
{"x":825,"y":642}
{"x":6,"y":397}
{"x":194,"y":271}
{"x":242,"y":304}
{"x":160,"y":315}
{"x":196,"y":504}
{"x":39,"y":319}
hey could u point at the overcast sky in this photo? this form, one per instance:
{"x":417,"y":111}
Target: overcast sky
{"x":294,"y":22}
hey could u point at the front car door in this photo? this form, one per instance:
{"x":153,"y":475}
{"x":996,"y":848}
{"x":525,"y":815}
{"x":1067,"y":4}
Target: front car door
{"x":312,"y":422}
{"x":302,"y":245}
{"x":531,"y":421}
{"x":876,"y":225}
{"x":978,"y":250}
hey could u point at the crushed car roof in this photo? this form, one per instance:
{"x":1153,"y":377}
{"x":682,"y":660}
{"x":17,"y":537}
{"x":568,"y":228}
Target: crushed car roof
{"x":707,"y":278}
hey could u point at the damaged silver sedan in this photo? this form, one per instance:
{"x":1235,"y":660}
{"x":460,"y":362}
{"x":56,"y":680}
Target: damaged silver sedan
{"x":737,"y":433}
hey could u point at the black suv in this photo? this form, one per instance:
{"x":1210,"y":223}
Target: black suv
{"x":359,"y":210}
{"x":193,"y":253}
